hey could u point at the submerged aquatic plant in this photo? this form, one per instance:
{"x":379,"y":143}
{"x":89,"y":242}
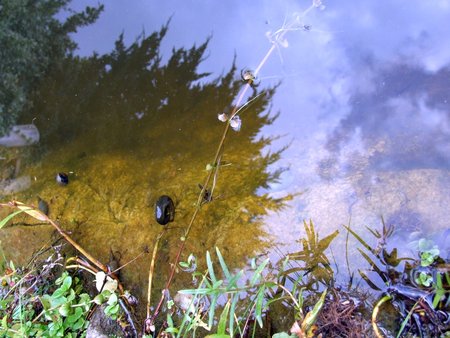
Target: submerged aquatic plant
{"x":311,"y":262}
{"x":429,"y":252}
{"x":419,"y":291}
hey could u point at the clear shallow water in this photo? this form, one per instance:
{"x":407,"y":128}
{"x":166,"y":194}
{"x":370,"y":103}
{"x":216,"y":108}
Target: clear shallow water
{"x":363,"y":102}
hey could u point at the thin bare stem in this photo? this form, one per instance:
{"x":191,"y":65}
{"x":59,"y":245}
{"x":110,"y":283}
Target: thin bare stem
{"x":248,"y":317}
{"x":129,"y":262}
{"x":150,"y":273}
{"x":82,"y":267}
{"x":238,"y":106}
{"x":291,"y":296}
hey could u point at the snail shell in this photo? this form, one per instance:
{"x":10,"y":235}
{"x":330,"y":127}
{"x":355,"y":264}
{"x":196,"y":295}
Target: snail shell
{"x":164,"y":210}
{"x":62,"y":179}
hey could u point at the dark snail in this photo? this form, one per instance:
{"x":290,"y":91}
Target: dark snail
{"x":62,"y":179}
{"x":164,"y":210}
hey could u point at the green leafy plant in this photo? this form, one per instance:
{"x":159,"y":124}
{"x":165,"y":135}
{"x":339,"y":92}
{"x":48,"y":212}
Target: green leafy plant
{"x":28,"y":312}
{"x":28,"y":309}
{"x":420,"y":284}
{"x":442,"y":289}
{"x":309,"y":266}
{"x":428,"y":252}
{"x":112,"y":309}
{"x":244,"y":297}
{"x":205,"y":298}
{"x":424,"y":279}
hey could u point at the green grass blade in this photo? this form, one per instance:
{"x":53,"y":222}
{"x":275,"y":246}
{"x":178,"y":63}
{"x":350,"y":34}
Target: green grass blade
{"x":217,"y":284}
{"x":210,"y":267}
{"x":360,"y":240}
{"x":373,"y":266}
{"x":9,"y":217}
{"x":234,"y":301}
{"x":212,"y":310}
{"x":259,"y":306}
{"x":440,"y":291}
{"x":221,"y":327}
{"x":406,"y":320}
{"x":258,"y":272}
{"x":223,"y":265}
{"x":311,"y":316}
{"x":368,"y":281}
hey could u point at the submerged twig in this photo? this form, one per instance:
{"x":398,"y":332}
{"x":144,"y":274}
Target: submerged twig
{"x":148,"y":325}
{"x":37,"y":214}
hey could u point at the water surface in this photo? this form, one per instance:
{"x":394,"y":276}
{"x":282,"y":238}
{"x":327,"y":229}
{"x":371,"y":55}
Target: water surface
{"x":363,"y":102}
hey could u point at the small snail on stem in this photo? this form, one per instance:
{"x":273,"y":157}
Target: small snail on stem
{"x":248,"y":76}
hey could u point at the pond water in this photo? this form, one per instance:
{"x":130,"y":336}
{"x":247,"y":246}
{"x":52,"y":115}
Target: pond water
{"x":363,"y":97}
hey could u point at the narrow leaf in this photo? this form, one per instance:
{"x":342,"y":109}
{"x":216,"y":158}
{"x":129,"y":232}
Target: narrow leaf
{"x":9,"y":217}
{"x":406,"y":320}
{"x":199,"y":291}
{"x":234,"y":301}
{"x":258,"y":272}
{"x":32,"y":212}
{"x":223,"y":265}
{"x":368,"y":281}
{"x":259,"y":306}
{"x":311,"y":316}
{"x":223,"y":319}
{"x":375,"y":233}
{"x":373,"y":266}
{"x":233,"y":281}
{"x":210,"y":267}
{"x":212,"y":310}
{"x":325,"y":242}
{"x":363,"y":242}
